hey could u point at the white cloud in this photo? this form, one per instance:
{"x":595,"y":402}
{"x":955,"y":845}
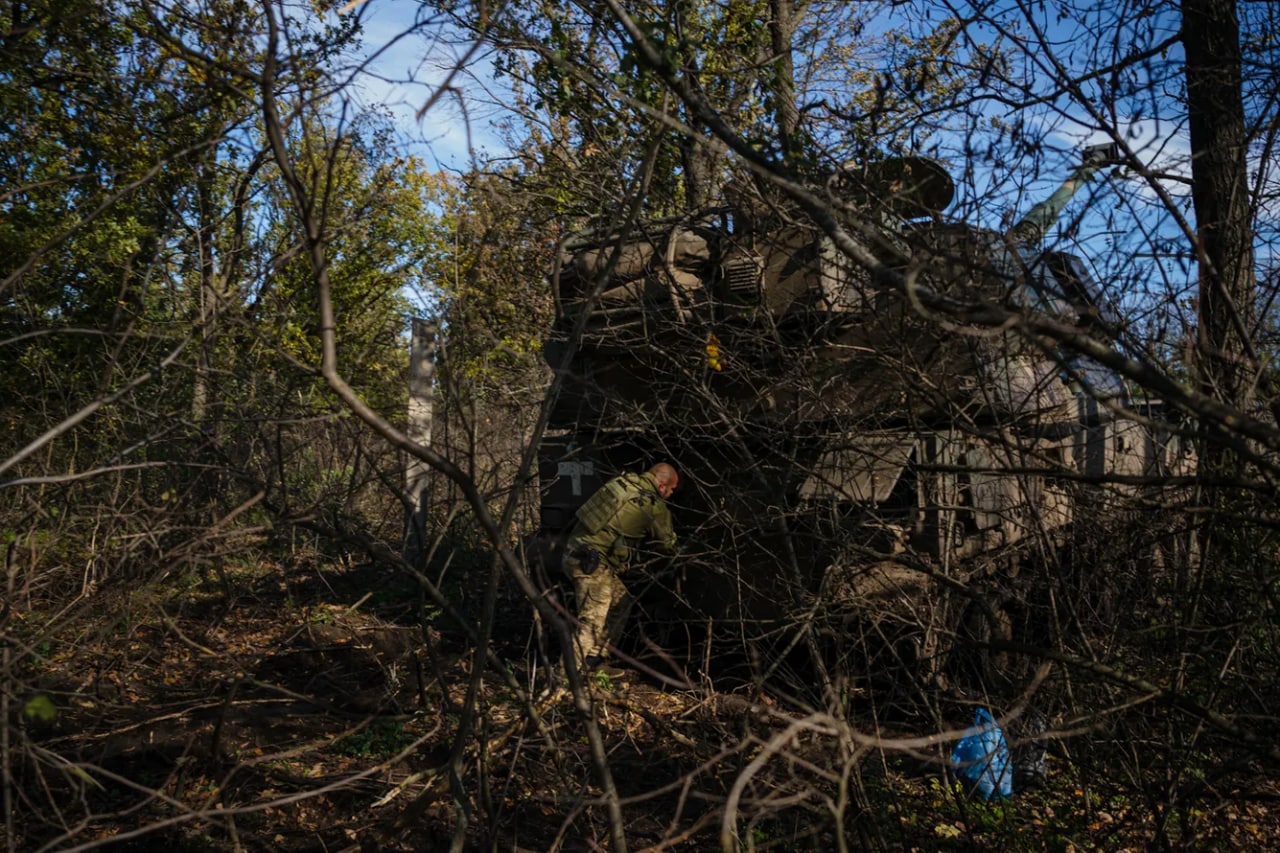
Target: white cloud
{"x":1161,"y":146}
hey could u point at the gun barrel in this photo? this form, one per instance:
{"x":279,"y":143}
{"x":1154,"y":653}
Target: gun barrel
{"x":1032,"y":227}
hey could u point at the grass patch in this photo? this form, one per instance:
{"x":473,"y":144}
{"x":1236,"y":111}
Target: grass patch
{"x":379,"y":740}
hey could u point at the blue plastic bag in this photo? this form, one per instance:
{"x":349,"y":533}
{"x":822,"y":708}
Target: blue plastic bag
{"x":982,"y":759}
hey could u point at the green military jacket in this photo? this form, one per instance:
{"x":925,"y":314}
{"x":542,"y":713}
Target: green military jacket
{"x":642,"y":516}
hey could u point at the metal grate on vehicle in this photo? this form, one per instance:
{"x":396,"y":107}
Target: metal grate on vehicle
{"x":741,"y":276}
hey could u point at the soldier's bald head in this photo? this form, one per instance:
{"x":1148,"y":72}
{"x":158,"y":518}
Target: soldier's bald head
{"x":666,"y":477}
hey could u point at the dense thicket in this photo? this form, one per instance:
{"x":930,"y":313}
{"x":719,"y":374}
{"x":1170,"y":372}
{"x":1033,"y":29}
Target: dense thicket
{"x":209,"y":252}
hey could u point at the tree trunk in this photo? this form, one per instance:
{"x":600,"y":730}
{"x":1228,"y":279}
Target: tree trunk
{"x":421,"y":410}
{"x":1211,"y":37}
{"x":782,"y":29}
{"x":1225,"y":358}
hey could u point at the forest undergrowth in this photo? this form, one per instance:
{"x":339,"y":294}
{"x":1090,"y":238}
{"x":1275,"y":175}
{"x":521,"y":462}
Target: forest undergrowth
{"x":305,"y":707}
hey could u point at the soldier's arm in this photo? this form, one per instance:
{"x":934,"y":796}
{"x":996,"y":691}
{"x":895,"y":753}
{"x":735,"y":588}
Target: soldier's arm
{"x":661,"y":529}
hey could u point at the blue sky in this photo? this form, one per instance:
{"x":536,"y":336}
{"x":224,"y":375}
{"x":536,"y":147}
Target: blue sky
{"x":403,"y":78}
{"x":1115,"y":220}
{"x":408,"y":60}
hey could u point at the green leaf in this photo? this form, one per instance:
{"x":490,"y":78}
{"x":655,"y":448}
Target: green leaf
{"x":83,"y":775}
{"x":40,"y":709}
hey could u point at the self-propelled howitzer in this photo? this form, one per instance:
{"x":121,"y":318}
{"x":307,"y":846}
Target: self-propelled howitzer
{"x":815,"y":414}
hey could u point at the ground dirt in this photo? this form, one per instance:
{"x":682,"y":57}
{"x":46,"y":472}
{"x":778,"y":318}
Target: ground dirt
{"x":306,"y":708}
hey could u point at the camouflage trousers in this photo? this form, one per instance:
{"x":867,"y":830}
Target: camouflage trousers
{"x":603,"y":607}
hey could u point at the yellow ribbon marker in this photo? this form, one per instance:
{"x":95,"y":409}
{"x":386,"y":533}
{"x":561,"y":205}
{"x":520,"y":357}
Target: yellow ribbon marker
{"x":713,"y":353}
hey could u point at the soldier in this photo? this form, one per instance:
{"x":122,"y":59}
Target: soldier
{"x":622,"y":514}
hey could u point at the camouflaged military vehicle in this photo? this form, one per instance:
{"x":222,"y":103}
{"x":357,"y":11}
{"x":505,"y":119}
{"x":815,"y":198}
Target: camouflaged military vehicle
{"x":836,"y":444}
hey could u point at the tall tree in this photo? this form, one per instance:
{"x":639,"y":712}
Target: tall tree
{"x":1224,"y":212}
